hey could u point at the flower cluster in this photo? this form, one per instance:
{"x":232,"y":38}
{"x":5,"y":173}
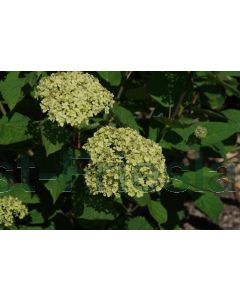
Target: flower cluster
{"x":200,"y":132}
{"x":73,"y":97}
{"x":11,"y":208}
{"x":124,"y":161}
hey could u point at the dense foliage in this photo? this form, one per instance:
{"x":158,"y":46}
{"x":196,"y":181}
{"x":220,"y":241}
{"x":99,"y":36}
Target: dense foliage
{"x":70,"y":144}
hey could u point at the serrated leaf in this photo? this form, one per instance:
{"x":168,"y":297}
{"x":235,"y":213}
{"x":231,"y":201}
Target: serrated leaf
{"x":14,"y":130}
{"x":11,"y":89}
{"x":125,"y":116}
{"x":210,"y":205}
{"x":139,"y":223}
{"x":114,"y":78}
{"x":158,"y":211}
{"x":90,"y":213}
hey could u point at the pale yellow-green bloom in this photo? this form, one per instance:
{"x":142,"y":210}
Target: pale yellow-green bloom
{"x":73,"y":97}
{"x":11,"y":208}
{"x":124,"y":161}
{"x":200,"y":132}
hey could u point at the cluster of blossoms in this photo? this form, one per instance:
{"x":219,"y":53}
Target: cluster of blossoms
{"x":73,"y":97}
{"x":200,"y":132}
{"x":11,"y":208}
{"x":124,"y":161}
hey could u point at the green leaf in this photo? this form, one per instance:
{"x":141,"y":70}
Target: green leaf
{"x":233,"y":116}
{"x":216,"y":101}
{"x":49,"y":146}
{"x":144,"y":200}
{"x":114,"y":78}
{"x":14,"y":130}
{"x":58,"y":184}
{"x":175,"y":139}
{"x":158,"y":211}
{"x":90,"y":213}
{"x":153,"y":133}
{"x":139,"y":223}
{"x":125,"y":116}
{"x":201,"y":180}
{"x":32,"y":77}
{"x":11,"y":89}
{"x":210,"y":205}
{"x":20,"y":191}
{"x":53,"y":137}
{"x":213,"y":128}
{"x":217,"y":131}
{"x":36,"y":217}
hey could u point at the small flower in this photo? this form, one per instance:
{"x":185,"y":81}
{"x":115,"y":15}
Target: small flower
{"x":200,"y":132}
{"x":11,"y":208}
{"x":72,"y":97}
{"x":123,"y":160}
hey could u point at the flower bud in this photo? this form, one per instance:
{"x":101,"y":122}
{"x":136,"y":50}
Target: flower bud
{"x":200,"y":132}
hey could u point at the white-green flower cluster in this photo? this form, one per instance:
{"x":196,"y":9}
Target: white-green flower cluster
{"x":11,"y":208}
{"x":200,"y":132}
{"x":124,"y":161}
{"x":73,"y":97}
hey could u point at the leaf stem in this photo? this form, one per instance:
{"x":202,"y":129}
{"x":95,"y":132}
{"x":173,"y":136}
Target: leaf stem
{"x":3,"y":109}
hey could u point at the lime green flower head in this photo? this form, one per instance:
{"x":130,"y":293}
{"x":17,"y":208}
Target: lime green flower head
{"x":200,"y":132}
{"x":124,"y":161}
{"x":11,"y":208}
{"x":72,"y":97}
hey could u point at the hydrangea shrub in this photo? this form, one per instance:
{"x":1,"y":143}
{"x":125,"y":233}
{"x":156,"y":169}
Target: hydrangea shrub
{"x":116,"y":150}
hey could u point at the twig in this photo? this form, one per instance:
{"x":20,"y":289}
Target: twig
{"x":169,"y":112}
{"x":122,"y":86}
{"x":195,"y":99}
{"x":3,"y":109}
{"x":179,"y":103}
